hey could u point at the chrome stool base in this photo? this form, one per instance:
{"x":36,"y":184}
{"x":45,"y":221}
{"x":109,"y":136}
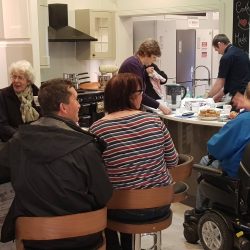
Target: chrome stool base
{"x":136,"y":241}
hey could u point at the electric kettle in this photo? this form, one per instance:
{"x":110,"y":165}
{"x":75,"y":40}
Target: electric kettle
{"x":174,"y":94}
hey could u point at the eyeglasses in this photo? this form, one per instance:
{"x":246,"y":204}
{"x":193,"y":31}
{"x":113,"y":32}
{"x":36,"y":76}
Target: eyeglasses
{"x":140,"y":91}
{"x":15,"y":77}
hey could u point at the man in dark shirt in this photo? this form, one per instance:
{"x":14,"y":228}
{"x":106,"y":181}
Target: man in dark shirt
{"x":55,"y":167}
{"x":234,"y":69}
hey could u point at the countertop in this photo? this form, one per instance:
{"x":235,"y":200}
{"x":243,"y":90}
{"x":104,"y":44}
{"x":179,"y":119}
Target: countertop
{"x":91,"y":86}
{"x":193,"y":120}
{"x":176,"y":116}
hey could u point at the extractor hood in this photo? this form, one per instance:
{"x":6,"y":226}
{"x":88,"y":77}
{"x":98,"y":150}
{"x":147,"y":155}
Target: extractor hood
{"x":59,"y":31}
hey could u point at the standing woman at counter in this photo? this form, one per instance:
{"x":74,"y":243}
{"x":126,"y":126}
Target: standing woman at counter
{"x":147,"y":53}
{"x":17,"y":104}
{"x":139,"y":149}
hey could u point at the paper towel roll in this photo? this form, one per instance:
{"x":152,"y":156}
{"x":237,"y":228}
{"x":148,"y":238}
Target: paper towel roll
{"x":108,"y":68}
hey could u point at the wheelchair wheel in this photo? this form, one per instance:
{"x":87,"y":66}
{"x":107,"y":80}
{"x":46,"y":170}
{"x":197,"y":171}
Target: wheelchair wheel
{"x":214,"y":233}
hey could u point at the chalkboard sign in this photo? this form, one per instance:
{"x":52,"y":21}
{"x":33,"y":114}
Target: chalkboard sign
{"x":241,"y":15}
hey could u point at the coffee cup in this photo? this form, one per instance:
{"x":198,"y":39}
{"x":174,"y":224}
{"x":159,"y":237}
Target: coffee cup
{"x":227,"y":109}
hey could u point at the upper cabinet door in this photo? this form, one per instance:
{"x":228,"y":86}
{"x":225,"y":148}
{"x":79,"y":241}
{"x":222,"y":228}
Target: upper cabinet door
{"x":101,"y":25}
{"x":15,"y":19}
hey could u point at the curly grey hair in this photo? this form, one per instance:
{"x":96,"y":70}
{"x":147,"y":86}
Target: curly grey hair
{"x":23,"y":67}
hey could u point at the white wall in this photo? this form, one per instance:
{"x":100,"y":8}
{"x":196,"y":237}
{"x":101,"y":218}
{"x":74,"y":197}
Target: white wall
{"x":62,"y":54}
{"x":66,"y":62}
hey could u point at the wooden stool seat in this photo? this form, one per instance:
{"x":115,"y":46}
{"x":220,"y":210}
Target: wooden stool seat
{"x":180,"y":191}
{"x":143,"y":227}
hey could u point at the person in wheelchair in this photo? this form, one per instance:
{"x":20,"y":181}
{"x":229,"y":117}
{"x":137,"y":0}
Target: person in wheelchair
{"x":225,"y":148}
{"x":222,"y":201}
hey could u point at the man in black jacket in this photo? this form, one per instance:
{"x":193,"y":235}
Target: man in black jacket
{"x":55,"y":168}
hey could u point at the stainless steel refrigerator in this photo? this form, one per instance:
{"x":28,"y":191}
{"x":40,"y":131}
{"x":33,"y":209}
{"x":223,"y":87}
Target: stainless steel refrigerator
{"x":194,"y":54}
{"x":185,"y":56}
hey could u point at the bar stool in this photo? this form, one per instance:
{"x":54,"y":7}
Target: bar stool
{"x":141,"y":199}
{"x":60,"y":227}
{"x":180,"y":173}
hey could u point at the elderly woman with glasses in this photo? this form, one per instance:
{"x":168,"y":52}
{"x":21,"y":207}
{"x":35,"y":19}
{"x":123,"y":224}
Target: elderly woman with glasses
{"x":139,"y":149}
{"x":17,"y":104}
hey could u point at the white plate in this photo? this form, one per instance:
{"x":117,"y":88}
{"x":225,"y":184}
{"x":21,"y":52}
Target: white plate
{"x":208,"y":118}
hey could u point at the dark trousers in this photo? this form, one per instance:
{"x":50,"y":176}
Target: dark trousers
{"x":131,"y":216}
{"x":112,"y":240}
{"x":90,"y":242}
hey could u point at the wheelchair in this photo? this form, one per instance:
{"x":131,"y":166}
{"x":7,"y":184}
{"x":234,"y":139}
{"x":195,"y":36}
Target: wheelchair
{"x":225,"y":224}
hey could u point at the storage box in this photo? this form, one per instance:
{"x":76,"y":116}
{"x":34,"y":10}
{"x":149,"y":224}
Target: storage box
{"x":189,"y":104}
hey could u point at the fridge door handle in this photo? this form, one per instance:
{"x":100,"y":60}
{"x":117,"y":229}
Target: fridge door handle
{"x":180,"y":46}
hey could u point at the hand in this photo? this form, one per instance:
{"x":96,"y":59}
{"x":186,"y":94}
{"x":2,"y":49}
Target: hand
{"x":165,"y":110}
{"x":150,"y":70}
{"x":217,"y":98}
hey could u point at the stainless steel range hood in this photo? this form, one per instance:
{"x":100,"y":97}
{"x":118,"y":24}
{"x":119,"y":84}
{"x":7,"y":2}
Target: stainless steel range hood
{"x":59,"y":31}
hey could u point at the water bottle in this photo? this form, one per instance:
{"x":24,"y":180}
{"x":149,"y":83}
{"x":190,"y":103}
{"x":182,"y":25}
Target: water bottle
{"x":188,"y":95}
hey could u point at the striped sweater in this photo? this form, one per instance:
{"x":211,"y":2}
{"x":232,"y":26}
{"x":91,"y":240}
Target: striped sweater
{"x":139,"y":151}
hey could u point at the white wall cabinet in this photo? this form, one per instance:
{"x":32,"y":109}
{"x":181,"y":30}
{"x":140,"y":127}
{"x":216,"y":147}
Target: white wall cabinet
{"x":14,"y":19}
{"x":101,"y":25}
{"x":10,"y":53}
{"x":43,"y":22}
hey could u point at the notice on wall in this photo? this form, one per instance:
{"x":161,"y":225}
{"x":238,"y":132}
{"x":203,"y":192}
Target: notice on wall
{"x":241,"y":16}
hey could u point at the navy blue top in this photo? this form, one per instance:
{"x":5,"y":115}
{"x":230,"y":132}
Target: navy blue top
{"x":134,"y":65}
{"x":235,"y":69}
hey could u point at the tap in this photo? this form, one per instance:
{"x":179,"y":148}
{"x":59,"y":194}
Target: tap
{"x":208,"y":79}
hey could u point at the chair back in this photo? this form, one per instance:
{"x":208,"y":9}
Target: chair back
{"x":141,"y":198}
{"x":184,"y":168}
{"x":60,"y":227}
{"x":181,"y":172}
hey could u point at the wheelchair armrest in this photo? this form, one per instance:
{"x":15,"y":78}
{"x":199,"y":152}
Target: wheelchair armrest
{"x":203,"y":169}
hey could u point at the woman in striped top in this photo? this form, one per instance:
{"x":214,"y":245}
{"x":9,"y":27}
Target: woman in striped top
{"x":139,"y":147}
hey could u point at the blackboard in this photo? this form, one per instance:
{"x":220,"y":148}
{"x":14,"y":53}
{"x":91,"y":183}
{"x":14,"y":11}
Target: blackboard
{"x":241,"y":16}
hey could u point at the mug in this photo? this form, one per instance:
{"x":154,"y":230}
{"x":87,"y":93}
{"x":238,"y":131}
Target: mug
{"x":227,"y":109}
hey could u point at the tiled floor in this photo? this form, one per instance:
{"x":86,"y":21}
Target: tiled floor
{"x":172,"y":237}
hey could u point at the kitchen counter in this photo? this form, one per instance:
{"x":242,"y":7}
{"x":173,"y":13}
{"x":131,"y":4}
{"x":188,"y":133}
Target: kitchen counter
{"x":90,"y":86}
{"x":192,"y":120}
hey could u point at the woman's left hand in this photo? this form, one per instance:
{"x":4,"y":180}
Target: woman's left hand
{"x":165,"y":110}
{"x":150,"y":70}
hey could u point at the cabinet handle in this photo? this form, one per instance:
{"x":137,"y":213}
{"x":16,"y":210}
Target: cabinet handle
{"x":93,"y":54}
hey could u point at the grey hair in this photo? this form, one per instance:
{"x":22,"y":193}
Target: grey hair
{"x":23,"y":67}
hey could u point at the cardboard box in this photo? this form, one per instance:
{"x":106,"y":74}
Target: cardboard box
{"x":189,"y":104}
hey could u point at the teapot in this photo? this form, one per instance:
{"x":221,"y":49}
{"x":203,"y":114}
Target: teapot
{"x":174,"y":94}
